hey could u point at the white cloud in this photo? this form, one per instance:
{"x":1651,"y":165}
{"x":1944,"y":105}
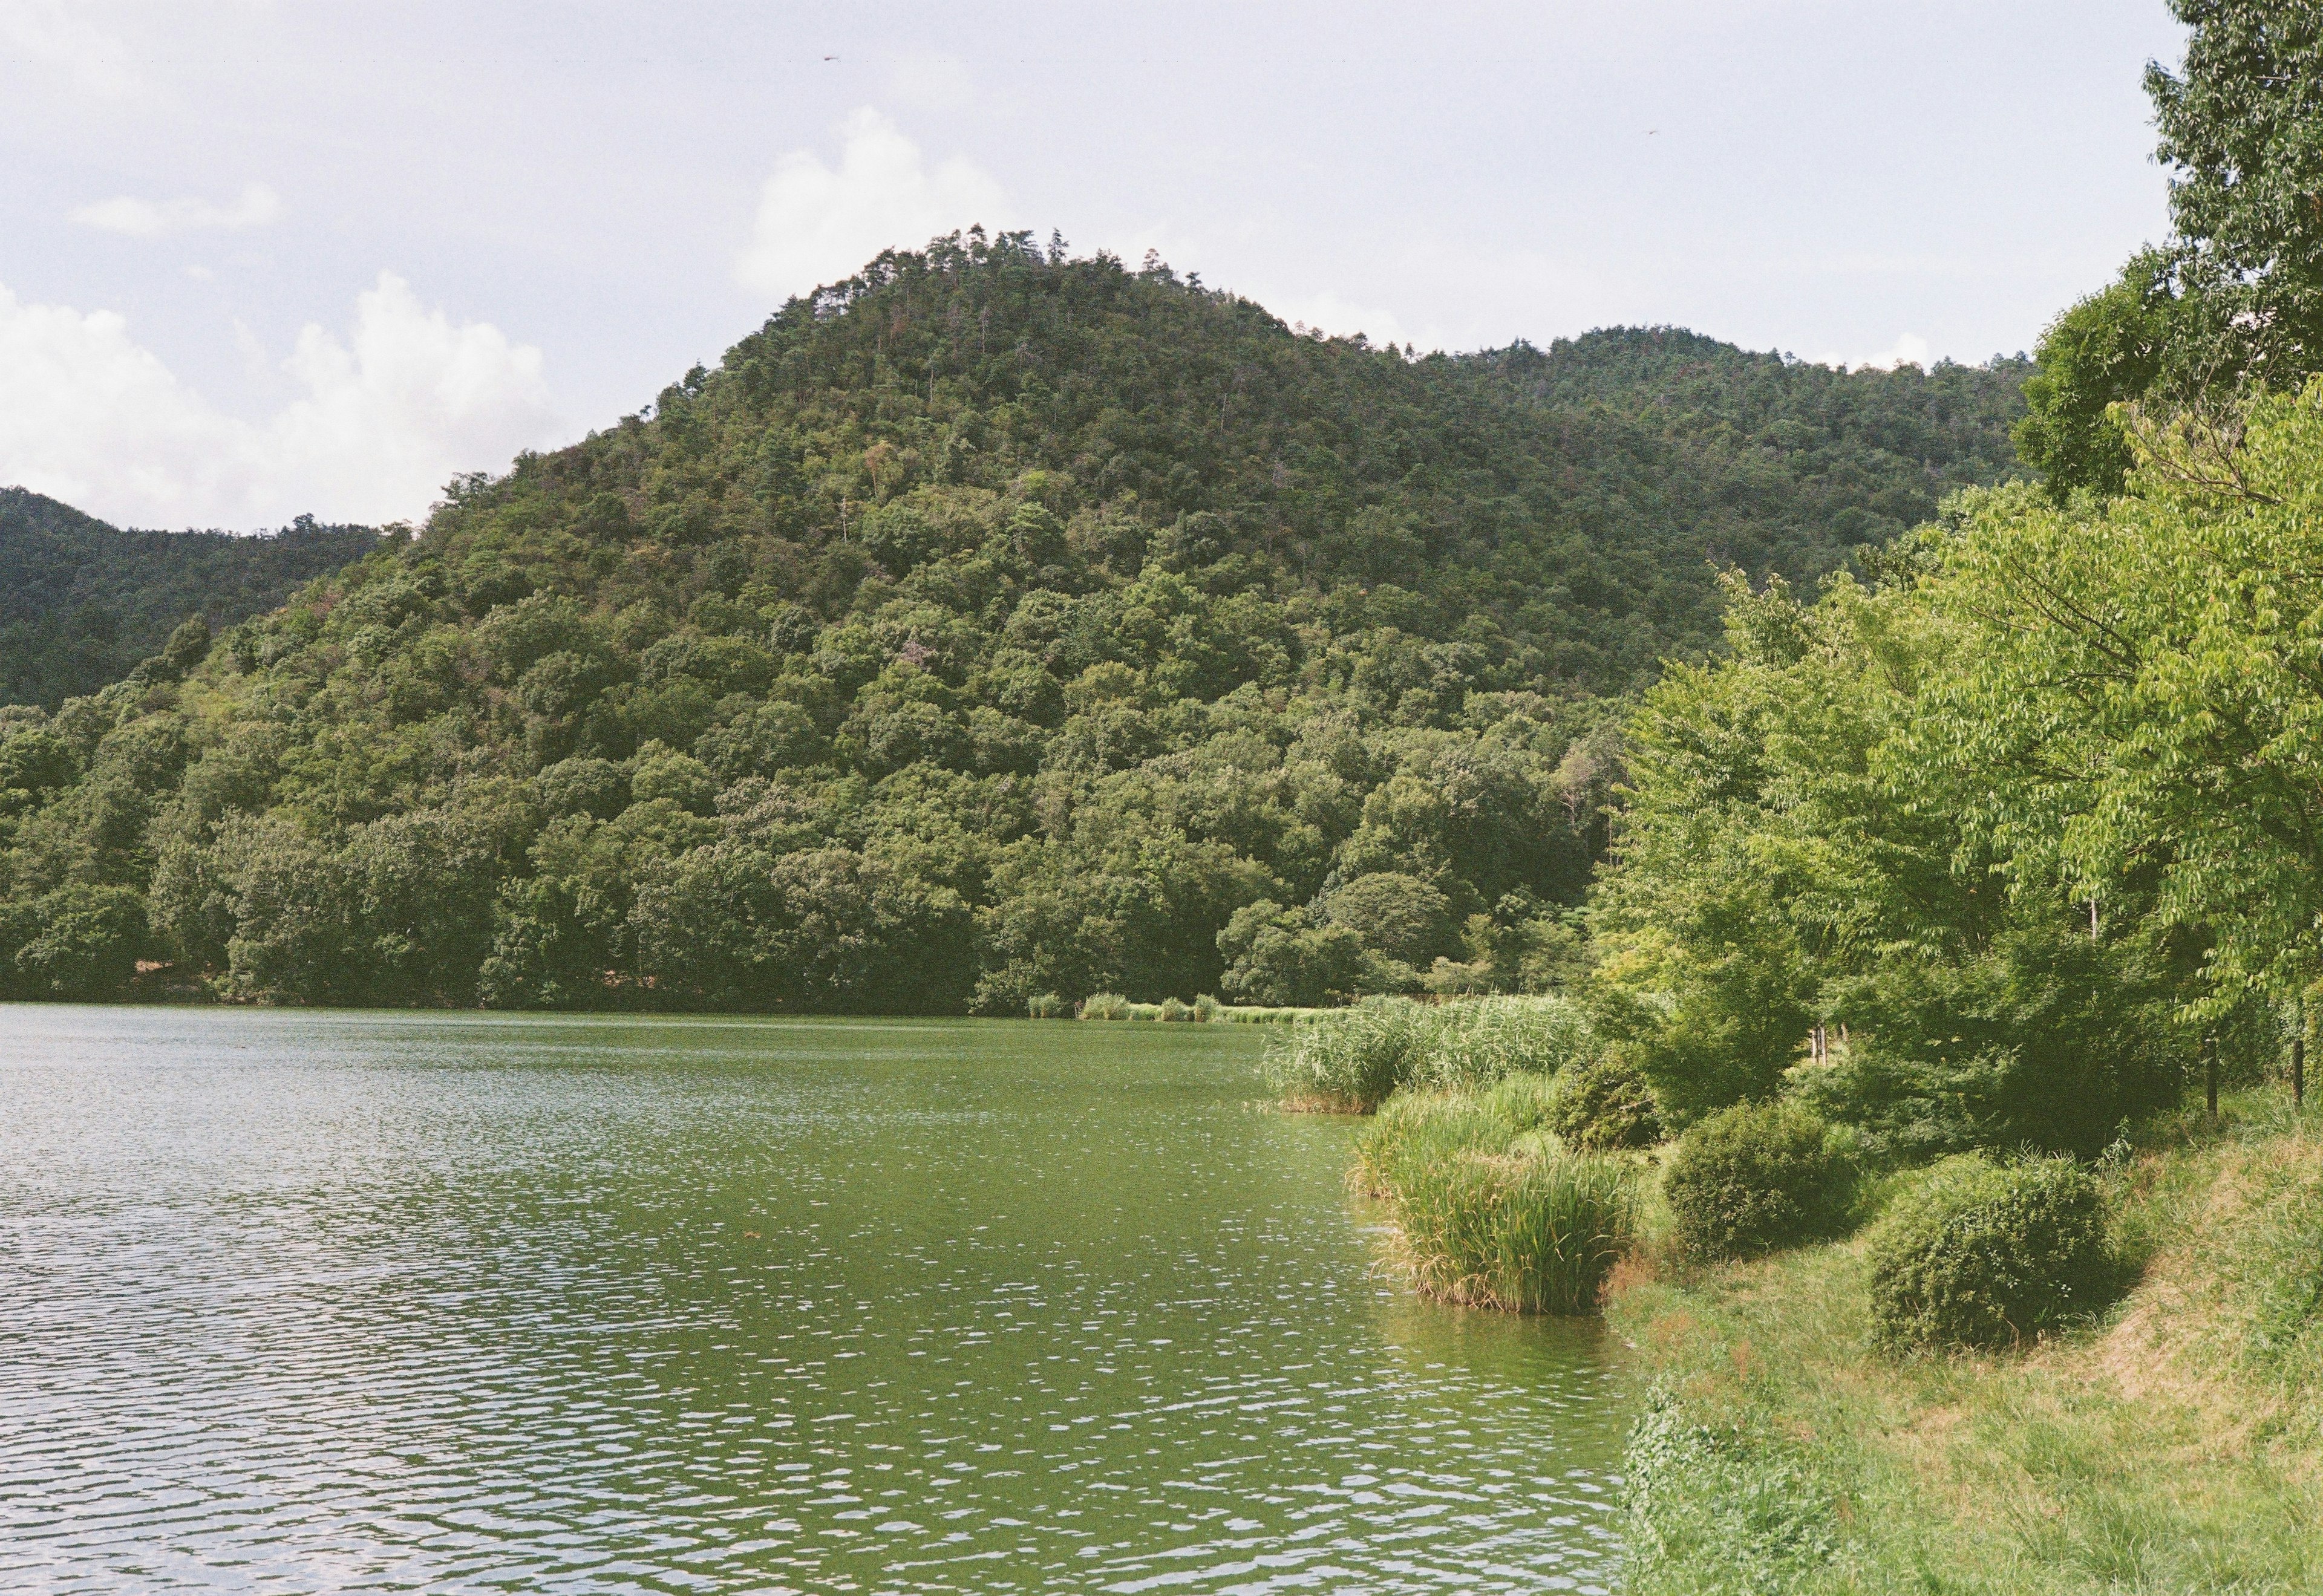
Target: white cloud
{"x":385,"y":415}
{"x":1910,"y":350}
{"x":157,"y":219}
{"x":54,"y":34}
{"x":1342,"y":317}
{"x":817,"y":223}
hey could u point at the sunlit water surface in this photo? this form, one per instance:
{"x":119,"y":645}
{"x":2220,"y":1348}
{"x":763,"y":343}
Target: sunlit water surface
{"x":371,"y":1302}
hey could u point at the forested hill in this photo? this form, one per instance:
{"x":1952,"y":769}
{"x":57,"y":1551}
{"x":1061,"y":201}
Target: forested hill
{"x":81,"y":602}
{"x":994,"y":623}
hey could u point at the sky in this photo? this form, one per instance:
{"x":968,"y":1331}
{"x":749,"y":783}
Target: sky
{"x":265,"y":258}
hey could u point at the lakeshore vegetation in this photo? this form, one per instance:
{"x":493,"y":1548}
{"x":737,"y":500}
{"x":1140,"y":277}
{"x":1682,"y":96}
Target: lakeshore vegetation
{"x":1950,"y":979}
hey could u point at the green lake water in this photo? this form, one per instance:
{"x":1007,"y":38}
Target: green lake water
{"x":311,"y":1302}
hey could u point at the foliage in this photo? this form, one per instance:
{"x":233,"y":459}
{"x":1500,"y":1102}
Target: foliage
{"x":81,"y":604}
{"x":1984,"y":1254}
{"x":2241,"y":129}
{"x":991,"y":624}
{"x":2044,"y":1037}
{"x":1353,"y":1058}
{"x":1755,"y":1177}
{"x":1826,"y":829}
{"x":2232,"y":303}
{"x":1603,"y":1103}
{"x":1489,"y":1214}
{"x":1046,"y":1005}
{"x":2103,"y":351}
{"x":2142,"y":705}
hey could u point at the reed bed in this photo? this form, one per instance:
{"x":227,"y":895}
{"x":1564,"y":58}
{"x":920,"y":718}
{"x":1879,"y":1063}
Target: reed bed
{"x":1490,"y":1208}
{"x":1353,"y":1060}
{"x":1113,"y":1005}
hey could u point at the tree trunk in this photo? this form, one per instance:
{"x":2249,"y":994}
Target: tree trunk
{"x":2211,"y":1075}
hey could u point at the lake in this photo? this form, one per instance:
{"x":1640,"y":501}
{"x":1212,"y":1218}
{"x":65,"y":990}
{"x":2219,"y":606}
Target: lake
{"x":331,"y":1301}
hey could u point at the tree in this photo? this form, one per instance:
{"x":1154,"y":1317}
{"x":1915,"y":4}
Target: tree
{"x":2241,"y":125}
{"x":2144,"y":708}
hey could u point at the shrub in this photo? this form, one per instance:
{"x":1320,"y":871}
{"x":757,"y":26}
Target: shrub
{"x":1990,"y":1255}
{"x":1105,"y":1005}
{"x":1604,"y":1103}
{"x":1353,"y":1059}
{"x":1045,"y":1006}
{"x":1206,"y":1007}
{"x":1174,"y":1010}
{"x":1758,"y":1176}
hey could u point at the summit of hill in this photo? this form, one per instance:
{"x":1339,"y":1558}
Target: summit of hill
{"x":994,"y":623}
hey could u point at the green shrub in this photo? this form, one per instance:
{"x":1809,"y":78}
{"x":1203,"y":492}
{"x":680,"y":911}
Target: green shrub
{"x":1990,"y":1255}
{"x":1047,"y":1006}
{"x":1603,"y":1103}
{"x":1206,"y":1007}
{"x":1758,"y":1176}
{"x":1353,"y":1057}
{"x":1175,"y":1010}
{"x":1105,"y":1005}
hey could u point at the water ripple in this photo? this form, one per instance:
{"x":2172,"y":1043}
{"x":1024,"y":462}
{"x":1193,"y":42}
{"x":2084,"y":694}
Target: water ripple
{"x":360,"y":1302}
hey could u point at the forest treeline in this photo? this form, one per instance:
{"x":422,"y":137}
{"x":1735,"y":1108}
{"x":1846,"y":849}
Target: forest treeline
{"x":82,"y":603}
{"x":995,"y":624}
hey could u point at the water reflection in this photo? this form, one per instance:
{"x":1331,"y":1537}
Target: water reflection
{"x":371,"y":1302}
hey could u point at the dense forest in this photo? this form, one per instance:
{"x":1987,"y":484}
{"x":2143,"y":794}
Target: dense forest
{"x":991,"y":625}
{"x":82,"y":603}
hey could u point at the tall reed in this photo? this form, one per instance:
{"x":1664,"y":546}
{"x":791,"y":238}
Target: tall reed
{"x":1490,"y":1208}
{"x":1532,"y":1232}
{"x":1353,"y":1059}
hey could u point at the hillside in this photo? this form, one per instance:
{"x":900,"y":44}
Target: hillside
{"x":993,"y":624}
{"x":81,"y":602}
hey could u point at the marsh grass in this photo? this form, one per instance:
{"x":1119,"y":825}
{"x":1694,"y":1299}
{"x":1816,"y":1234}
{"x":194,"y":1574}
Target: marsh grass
{"x":1355,"y":1058}
{"x":2175,"y":1444}
{"x":1490,"y":1210}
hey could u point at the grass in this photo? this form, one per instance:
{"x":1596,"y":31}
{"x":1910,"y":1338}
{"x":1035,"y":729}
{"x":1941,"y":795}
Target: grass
{"x":2174,"y":1446}
{"x":1489,"y":1209}
{"x":1352,"y":1059}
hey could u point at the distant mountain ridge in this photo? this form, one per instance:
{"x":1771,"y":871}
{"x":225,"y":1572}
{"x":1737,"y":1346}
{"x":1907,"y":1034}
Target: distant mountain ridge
{"x":990,"y":626}
{"x":82,"y":601}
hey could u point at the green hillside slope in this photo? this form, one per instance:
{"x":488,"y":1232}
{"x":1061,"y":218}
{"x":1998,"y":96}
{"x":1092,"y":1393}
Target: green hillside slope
{"x":81,"y":602}
{"x":994,"y":623}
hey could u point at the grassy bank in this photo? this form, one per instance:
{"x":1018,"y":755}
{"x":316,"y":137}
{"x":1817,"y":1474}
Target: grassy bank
{"x":2174,"y":1446}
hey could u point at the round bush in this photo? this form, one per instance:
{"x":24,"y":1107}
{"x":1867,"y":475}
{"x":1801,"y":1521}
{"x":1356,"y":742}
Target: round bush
{"x":1603,"y":1103}
{"x":1990,"y":1255}
{"x":1755,"y":1177}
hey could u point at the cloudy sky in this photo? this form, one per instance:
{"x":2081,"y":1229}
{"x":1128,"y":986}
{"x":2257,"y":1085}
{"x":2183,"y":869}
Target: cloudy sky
{"x":260,"y":259}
